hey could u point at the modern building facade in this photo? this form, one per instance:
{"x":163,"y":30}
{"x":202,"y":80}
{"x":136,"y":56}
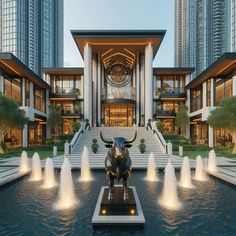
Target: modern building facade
{"x":118,"y":86}
{"x":202,"y":32}
{"x":33,"y":32}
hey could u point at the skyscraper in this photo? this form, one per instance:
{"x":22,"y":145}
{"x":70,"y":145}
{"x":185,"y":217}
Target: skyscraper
{"x":33,"y":32}
{"x":203,"y":32}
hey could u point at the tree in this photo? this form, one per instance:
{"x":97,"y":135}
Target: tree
{"x":182,"y":119}
{"x":224,"y":117}
{"x":11,"y":117}
{"x":54,"y":118}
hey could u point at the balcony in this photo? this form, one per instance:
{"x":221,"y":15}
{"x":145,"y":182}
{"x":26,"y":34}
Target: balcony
{"x":121,"y":94}
{"x":164,"y":113}
{"x":70,"y":112}
{"x":65,"y":92}
{"x":168,"y":92}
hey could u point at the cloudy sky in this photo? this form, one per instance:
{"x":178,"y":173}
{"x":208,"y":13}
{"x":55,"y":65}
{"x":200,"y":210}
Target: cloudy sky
{"x":119,"y":14}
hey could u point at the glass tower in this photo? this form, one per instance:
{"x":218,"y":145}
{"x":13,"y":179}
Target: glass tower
{"x":202,"y":32}
{"x":33,"y":32}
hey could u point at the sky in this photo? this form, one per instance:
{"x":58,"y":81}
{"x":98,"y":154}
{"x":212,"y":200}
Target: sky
{"x":120,"y":15}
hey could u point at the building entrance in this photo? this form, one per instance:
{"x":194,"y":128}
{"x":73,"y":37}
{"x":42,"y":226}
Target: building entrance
{"x":118,"y":114}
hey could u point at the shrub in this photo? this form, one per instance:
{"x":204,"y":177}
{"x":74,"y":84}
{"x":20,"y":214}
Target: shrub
{"x":142,"y":146}
{"x":94,"y":145}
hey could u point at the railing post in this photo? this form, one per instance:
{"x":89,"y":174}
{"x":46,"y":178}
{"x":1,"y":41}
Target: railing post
{"x":54,"y":151}
{"x":180,"y":151}
{"x":169,"y":148}
{"x":67,"y":148}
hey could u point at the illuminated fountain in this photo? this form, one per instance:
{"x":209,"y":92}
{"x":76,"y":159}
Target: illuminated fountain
{"x":200,"y":174}
{"x":36,"y":168}
{"x":66,"y":196}
{"x":151,"y":169}
{"x":185,"y":177}
{"x":85,"y":169}
{"x":49,"y":178}
{"x":169,"y":198}
{"x":24,"y":166}
{"x":212,"y":165}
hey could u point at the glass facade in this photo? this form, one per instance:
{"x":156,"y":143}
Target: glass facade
{"x":199,"y":133}
{"x":196,"y":99}
{"x":223,"y":88}
{"x":13,"y":89}
{"x":208,"y":90}
{"x":37,"y":133}
{"x":33,"y":32}
{"x":222,"y":138}
{"x":13,"y":138}
{"x":39,"y":99}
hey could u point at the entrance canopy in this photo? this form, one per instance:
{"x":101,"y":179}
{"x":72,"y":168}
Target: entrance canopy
{"x":118,"y":42}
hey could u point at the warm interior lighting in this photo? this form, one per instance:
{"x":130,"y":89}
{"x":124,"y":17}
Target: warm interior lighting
{"x":104,"y":211}
{"x":132,"y":211}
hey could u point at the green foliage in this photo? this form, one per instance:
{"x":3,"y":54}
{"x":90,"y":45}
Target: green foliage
{"x":94,"y":145}
{"x":142,"y":140}
{"x":142,"y":146}
{"x":94,"y":140}
{"x":54,"y":118}
{"x":160,"y":126}
{"x":182,"y":118}
{"x":10,"y":116}
{"x":76,"y":126}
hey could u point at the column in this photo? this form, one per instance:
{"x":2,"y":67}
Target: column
{"x":25,"y":136}
{"x":212,"y":92}
{"x":88,"y":82}
{"x":94,"y":96}
{"x":1,"y":84}
{"x":31,"y":95}
{"x":234,"y":85}
{"x":48,"y":129}
{"x":204,"y":95}
{"x":210,"y":136}
{"x":148,"y":82}
{"x":99,"y":90}
{"x":23,"y":92}
{"x":137,"y":90}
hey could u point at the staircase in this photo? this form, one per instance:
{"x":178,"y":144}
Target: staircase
{"x":139,"y":160}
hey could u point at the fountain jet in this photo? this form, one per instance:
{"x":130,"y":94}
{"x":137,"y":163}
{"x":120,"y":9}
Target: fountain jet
{"x":66,"y":196}
{"x":151,"y":169}
{"x":169,"y":198}
{"x":24,"y":166}
{"x":200,"y":174}
{"x":49,"y":178}
{"x":36,"y":168}
{"x":212,"y":165}
{"x":185,"y":177}
{"x":85,"y":175}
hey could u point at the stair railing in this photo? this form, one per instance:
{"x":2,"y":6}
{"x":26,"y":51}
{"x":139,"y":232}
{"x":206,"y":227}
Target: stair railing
{"x":76,"y":137}
{"x":159,"y":137}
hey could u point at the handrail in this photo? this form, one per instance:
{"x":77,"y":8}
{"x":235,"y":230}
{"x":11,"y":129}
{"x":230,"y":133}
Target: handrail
{"x":160,"y":138}
{"x":76,"y":137}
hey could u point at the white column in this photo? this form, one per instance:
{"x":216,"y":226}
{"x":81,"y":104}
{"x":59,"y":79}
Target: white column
{"x":88,"y":82}
{"x":25,"y":136}
{"x":99,"y":89}
{"x":234,"y":85}
{"x":137,"y":89}
{"x":94,"y":110}
{"x":210,"y":136}
{"x":148,"y":82}
{"x":23,"y":92}
{"x":1,"y":84}
{"x":212,"y":92}
{"x":142,"y":86}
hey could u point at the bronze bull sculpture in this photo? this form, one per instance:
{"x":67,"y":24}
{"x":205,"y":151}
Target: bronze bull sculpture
{"x":118,"y":162}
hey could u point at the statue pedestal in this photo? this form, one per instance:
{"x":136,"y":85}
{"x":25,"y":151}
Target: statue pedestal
{"x":118,"y":211}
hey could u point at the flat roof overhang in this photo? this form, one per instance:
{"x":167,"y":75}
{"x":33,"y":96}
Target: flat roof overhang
{"x":104,"y":40}
{"x":173,"y":71}
{"x":64,"y":71}
{"x":223,"y":66}
{"x":11,"y":66}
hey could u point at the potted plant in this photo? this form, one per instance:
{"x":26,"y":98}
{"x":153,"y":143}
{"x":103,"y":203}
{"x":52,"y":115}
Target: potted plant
{"x":160,"y":126}
{"x":76,"y":126}
{"x":142,"y":146}
{"x":94,"y":145}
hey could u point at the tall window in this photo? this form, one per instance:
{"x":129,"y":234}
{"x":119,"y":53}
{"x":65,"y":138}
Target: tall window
{"x":223,"y":88}
{"x":12,"y":90}
{"x":39,"y":99}
{"x":196,"y":99}
{"x":208,"y":102}
{"x":27,"y":93}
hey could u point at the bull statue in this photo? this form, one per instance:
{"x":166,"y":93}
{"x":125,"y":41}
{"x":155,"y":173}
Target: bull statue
{"x":118,"y":162}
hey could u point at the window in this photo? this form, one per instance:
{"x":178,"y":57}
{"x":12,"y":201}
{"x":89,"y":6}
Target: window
{"x":208,"y":88}
{"x":39,"y":99}
{"x":27,"y":93}
{"x":12,"y":89}
{"x":196,"y":99}
{"x":223,"y":88}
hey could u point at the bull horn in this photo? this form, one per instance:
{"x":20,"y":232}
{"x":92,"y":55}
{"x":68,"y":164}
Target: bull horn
{"x":104,"y":140}
{"x":133,"y":139}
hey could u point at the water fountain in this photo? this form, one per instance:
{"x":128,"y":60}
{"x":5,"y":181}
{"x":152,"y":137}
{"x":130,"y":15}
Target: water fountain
{"x":151,"y":169}
{"x":212,"y":165}
{"x":36,"y":168}
{"x":185,"y":177}
{"x":49,"y":178}
{"x":85,"y":169}
{"x":200,"y":174}
{"x":169,"y":198}
{"x":24,"y":167}
{"x":66,"y":196}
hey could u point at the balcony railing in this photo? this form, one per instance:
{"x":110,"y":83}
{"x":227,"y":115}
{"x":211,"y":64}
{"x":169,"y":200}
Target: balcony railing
{"x":161,"y":112}
{"x":119,"y":93}
{"x":170,"y":92}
